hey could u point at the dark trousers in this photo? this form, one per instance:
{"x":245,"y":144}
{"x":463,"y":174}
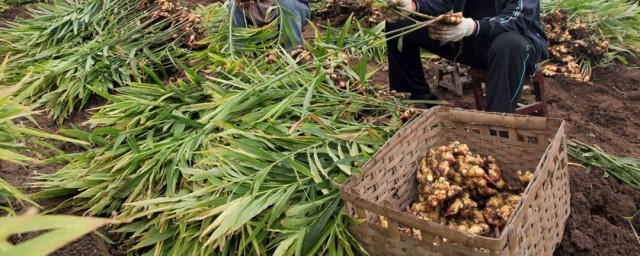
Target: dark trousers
{"x":508,"y":58}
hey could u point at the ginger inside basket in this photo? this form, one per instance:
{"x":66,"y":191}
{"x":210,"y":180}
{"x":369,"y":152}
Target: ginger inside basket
{"x":464,"y":191}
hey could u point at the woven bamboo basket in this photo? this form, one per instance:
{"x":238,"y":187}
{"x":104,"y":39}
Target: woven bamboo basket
{"x":388,"y":183}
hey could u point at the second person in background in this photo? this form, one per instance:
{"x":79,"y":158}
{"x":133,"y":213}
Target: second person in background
{"x":294,"y":16}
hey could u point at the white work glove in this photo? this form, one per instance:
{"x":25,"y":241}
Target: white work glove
{"x":452,"y":33}
{"x":391,"y":15}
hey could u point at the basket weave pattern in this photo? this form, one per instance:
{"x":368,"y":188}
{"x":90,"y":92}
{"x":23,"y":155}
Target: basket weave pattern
{"x":388,"y":183}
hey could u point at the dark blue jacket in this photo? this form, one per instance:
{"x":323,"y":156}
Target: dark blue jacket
{"x":513,"y":15}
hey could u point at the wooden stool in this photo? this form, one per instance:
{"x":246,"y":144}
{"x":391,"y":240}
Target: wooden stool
{"x":539,"y":107}
{"x":457,"y":73}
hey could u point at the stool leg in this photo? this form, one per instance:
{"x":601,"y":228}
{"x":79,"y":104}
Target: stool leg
{"x":455,"y":78}
{"x":439,"y":76}
{"x":541,"y":94}
{"x":476,"y":84}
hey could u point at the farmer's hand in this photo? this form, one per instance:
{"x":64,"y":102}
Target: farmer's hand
{"x":452,"y":33}
{"x":393,"y":12}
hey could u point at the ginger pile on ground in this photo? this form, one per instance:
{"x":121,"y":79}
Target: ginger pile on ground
{"x":570,"y":42}
{"x":338,"y":11}
{"x":176,"y":14}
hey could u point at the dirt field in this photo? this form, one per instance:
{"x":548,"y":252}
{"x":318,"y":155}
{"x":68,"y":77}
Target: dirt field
{"x":605,"y":112}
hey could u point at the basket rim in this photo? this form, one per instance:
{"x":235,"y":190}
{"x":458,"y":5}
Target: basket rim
{"x":351,"y":196}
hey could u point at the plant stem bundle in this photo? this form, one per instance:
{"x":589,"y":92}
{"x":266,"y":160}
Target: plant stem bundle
{"x":624,"y":169}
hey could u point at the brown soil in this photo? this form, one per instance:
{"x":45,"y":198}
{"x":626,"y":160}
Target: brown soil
{"x":13,"y":13}
{"x":597,"y":225}
{"x":88,"y":245}
{"x":21,"y":175}
{"x":606,"y":113}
